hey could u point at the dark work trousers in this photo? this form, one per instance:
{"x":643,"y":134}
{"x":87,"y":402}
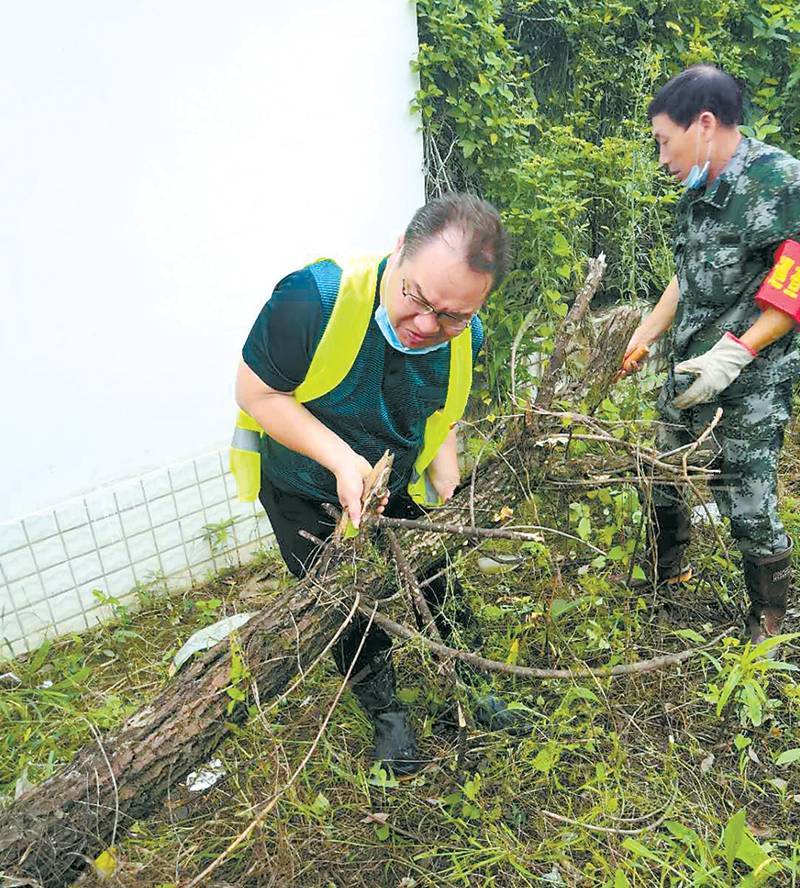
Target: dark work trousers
{"x":289,"y":513}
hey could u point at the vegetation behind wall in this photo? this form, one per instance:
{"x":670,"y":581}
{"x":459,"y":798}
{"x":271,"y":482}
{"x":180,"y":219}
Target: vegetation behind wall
{"x":541,"y":108}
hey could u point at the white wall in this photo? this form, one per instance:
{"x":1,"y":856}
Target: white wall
{"x":163,"y":165}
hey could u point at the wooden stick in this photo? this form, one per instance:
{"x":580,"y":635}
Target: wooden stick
{"x":467,"y":530}
{"x":640,"y":666}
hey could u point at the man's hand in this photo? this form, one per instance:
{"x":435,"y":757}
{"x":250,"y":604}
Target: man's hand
{"x":444,"y":479}
{"x":635,"y":355}
{"x":715,"y":371}
{"x":350,"y":474}
{"x":652,"y":328}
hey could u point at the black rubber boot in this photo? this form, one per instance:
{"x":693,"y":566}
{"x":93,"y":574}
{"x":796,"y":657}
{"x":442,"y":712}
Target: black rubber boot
{"x":767,"y":580}
{"x":672,"y":532}
{"x":395,"y":743}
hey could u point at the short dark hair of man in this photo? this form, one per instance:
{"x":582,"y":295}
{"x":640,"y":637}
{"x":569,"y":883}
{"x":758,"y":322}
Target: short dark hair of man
{"x":699,"y":88}
{"x":486,"y":241}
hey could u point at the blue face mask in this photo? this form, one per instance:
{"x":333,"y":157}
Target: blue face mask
{"x":697,"y":177}
{"x":390,"y":335}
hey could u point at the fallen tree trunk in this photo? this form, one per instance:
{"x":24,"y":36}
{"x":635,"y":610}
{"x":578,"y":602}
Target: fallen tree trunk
{"x":57,"y":828}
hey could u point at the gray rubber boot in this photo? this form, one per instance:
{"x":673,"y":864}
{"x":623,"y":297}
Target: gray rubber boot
{"x":767,"y":580}
{"x":394,"y":742}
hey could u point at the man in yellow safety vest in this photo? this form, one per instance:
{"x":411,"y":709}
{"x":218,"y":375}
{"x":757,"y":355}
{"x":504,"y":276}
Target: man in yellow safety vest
{"x":349,"y":359}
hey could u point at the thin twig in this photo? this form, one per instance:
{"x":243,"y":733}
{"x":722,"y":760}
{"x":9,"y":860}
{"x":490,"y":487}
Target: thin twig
{"x":421,"y":605}
{"x":298,"y":681}
{"x":96,"y":735}
{"x":613,"y":830}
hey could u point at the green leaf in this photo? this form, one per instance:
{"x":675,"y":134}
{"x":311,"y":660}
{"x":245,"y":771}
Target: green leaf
{"x":788,"y":757}
{"x":641,"y":850}
{"x":408,"y":695}
{"x":40,"y":656}
{"x":689,"y":635}
{"x":730,"y":684}
{"x":752,"y":700}
{"x":620,"y":879}
{"x":546,"y":758}
{"x":561,"y":245}
{"x":638,"y":573}
{"x":582,"y":694}
{"x":320,"y":804}
{"x":472,"y":787}
{"x":740,"y":845}
{"x":560,"y":606}
{"x":761,"y":650}
{"x":561,"y":309}
{"x":684,"y":833}
{"x":382,"y":832}
{"x":732,"y":837}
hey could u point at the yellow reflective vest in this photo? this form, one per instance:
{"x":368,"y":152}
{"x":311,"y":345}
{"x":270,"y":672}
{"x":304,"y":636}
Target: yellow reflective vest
{"x":332,"y":360}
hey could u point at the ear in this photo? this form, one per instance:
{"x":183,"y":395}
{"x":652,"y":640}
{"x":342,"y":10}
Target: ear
{"x":708,"y":123}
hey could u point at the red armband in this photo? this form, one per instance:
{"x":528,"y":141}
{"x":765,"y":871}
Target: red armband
{"x":781,"y":289}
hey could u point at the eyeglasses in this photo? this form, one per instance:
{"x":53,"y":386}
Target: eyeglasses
{"x":452,"y":323}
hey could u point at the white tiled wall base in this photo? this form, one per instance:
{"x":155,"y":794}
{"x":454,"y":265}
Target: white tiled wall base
{"x":160,"y":525}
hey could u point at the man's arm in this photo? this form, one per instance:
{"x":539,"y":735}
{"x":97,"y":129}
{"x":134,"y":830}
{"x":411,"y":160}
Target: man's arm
{"x":770,"y":327}
{"x":288,"y":422}
{"x":443,"y":470}
{"x":652,"y":327}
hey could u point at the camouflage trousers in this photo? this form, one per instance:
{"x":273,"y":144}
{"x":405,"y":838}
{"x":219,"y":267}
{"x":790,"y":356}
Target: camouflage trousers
{"x":746,"y":443}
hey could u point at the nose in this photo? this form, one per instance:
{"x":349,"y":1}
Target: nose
{"x":662,"y":157}
{"x":426,"y":324}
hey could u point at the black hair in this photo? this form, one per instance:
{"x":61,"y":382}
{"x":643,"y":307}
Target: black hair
{"x":486,"y":242}
{"x":697,"y":89}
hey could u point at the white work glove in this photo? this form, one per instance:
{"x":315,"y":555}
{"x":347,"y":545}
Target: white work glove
{"x":715,"y":371}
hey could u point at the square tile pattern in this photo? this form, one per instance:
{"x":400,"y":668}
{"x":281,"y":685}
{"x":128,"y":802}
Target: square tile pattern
{"x":58,"y":567}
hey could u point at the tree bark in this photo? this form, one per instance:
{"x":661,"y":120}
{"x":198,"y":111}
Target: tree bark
{"x":55,"y":829}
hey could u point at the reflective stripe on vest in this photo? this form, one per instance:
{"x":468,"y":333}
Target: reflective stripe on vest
{"x":245,"y":457}
{"x":334,"y":356}
{"x":244,"y":439}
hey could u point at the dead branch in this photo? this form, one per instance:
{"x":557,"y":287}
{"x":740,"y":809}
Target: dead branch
{"x":424,"y":611}
{"x":581,"y":670}
{"x":467,"y":530}
{"x":580,"y":306}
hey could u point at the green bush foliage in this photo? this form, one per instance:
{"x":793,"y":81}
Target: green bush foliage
{"x":541,"y":108}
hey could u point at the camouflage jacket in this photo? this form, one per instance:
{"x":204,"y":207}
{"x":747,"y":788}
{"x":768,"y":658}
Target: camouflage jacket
{"x":725,"y":239}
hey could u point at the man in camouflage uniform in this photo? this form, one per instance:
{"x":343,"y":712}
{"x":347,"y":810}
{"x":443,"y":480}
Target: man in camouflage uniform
{"x":727,"y":348}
